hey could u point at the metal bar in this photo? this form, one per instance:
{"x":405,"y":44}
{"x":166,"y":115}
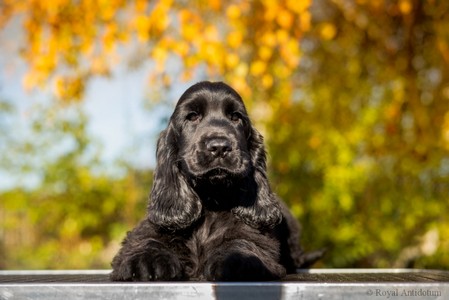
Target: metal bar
{"x":314,"y":284}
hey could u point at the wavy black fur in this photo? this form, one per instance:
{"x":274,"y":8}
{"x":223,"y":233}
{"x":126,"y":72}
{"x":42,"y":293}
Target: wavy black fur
{"x":212,"y":214}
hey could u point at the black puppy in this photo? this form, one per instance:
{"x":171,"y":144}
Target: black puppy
{"x":212,"y":214}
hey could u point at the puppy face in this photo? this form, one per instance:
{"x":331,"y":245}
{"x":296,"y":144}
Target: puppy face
{"x":214,"y":130}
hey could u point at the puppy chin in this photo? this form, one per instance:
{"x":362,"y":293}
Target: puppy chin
{"x":218,"y":176}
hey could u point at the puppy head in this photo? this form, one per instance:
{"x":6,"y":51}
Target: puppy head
{"x":214,"y":133}
{"x":210,"y":142}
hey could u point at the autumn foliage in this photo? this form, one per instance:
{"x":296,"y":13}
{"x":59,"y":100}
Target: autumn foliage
{"x":70,"y":41}
{"x":352,"y":97}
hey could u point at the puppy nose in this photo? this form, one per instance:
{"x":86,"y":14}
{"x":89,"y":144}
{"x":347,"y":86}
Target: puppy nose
{"x":219,"y":146}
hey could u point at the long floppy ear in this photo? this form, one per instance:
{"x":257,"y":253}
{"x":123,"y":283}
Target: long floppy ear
{"x":174,"y":204}
{"x":261,"y":208}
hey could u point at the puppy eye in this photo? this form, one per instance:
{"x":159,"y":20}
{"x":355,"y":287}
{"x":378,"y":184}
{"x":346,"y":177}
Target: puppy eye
{"x":235,"y":116}
{"x":193,"y":116}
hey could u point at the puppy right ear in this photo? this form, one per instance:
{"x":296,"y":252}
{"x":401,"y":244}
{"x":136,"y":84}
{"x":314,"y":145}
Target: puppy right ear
{"x":174,"y":205}
{"x":263,"y":208}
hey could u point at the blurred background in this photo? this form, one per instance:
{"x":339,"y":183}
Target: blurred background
{"x":352,"y":97}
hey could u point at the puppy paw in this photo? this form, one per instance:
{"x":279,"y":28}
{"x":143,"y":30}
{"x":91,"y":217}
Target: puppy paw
{"x":156,"y":266}
{"x":243,"y":267}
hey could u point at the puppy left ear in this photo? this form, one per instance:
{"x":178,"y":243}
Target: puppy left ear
{"x":174,"y":205}
{"x":261,"y":207}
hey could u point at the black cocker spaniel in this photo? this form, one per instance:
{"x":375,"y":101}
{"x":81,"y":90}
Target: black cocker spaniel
{"x":212,"y":214}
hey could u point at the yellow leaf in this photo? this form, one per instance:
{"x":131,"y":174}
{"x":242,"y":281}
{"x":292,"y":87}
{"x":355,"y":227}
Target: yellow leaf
{"x":235,"y":39}
{"x":69,"y":88}
{"x":232,"y":60}
{"x":109,"y":37}
{"x":267,"y":81}
{"x":143,"y":24}
{"x":282,"y":36}
{"x":272,"y":9}
{"x":265,"y":53}
{"x":160,"y":56}
{"x":258,"y":67}
{"x":284,"y":19}
{"x":233,"y":11}
{"x":215,"y":5}
{"x":189,"y":32}
{"x":141,"y":5}
{"x":328,"y":31}
{"x":405,"y":6}
{"x":45,"y":63}
{"x":241,"y":70}
{"x":161,"y":20}
{"x":182,"y":49}
{"x":298,"y":6}
{"x":211,"y":33}
{"x":107,"y":11}
{"x":269,"y":39}
{"x":305,"y":21}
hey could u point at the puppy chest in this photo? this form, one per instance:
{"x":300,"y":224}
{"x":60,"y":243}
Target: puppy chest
{"x":211,"y":234}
